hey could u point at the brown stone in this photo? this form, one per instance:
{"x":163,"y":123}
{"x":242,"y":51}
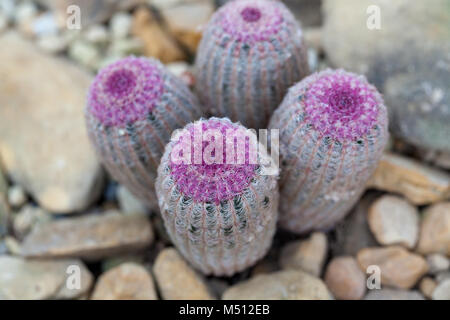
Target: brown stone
{"x":177,"y":280}
{"x":157,"y":42}
{"x":92,"y":236}
{"x":281,"y":285}
{"x":420,"y":184}
{"x":307,"y":255}
{"x":394,"y":220}
{"x":435,"y":230}
{"x":345,"y":279}
{"x":399,"y":267}
{"x":128,"y":281}
{"x":427,"y":286}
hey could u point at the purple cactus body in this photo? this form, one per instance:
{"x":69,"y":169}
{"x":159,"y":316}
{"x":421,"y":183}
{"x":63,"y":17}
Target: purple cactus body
{"x":221,"y":216}
{"x":333,"y":130}
{"x":133,"y":106}
{"x":251,"y":52}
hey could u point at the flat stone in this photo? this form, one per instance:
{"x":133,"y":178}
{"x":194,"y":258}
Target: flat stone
{"x":418,"y":183}
{"x":345,"y":279}
{"x":128,"y":281}
{"x":399,"y":267}
{"x":177,"y":280}
{"x":307,"y":255}
{"x":91,"y":236}
{"x":43,"y":141}
{"x":281,"y":285}
{"x":33,"y":280}
{"x":393,"y":294}
{"x":435,"y":230}
{"x":393,"y":220}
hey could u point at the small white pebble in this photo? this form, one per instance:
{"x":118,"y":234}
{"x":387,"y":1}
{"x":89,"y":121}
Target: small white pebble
{"x":16,"y":196}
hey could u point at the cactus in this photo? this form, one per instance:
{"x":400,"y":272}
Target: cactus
{"x":251,"y":52}
{"x":133,"y":106}
{"x":333,"y":130}
{"x":220,"y":215}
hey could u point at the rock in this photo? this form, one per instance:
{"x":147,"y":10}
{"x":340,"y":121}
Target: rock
{"x":45,"y":24}
{"x":12,"y":245}
{"x":345,"y":279}
{"x":128,"y":281}
{"x":353,"y":233}
{"x":92,"y":11}
{"x":435,"y":230}
{"x":307,"y":255}
{"x":27,"y":218}
{"x":393,"y":294}
{"x":399,"y":267}
{"x":120,"y":25}
{"x":123,"y":47}
{"x":16,"y":196}
{"x":97,"y":34}
{"x":4,"y":205}
{"x":128,"y":203}
{"x":8,"y":8}
{"x":427,"y":286}
{"x":3,"y":21}
{"x":313,"y":38}
{"x":85,"y":53}
{"x":281,"y":285}
{"x":186,"y":21}
{"x":25,"y":12}
{"x":52,"y":43}
{"x":177,"y":280}
{"x":394,"y":220}
{"x":437,"y":263}
{"x":442,"y":291}
{"x":442,"y":276}
{"x":33,"y":280}
{"x":115,"y":261}
{"x":91,"y":237}
{"x":43,"y":141}
{"x":307,"y":12}
{"x":418,"y":183}
{"x":410,"y":68}
{"x":157,"y":42}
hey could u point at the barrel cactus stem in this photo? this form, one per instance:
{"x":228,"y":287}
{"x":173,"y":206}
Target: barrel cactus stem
{"x":133,"y":106}
{"x":333,"y":130}
{"x":251,"y":52}
{"x":221,"y":215}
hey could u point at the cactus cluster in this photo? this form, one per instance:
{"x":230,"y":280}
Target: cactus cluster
{"x":133,"y":106}
{"x":333,"y":130}
{"x":221,"y":213}
{"x":251,"y":52}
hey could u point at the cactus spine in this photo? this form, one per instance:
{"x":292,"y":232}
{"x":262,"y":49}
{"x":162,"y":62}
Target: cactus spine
{"x":251,"y":52}
{"x":133,"y":106}
{"x":220,"y":216}
{"x":333,"y":130}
